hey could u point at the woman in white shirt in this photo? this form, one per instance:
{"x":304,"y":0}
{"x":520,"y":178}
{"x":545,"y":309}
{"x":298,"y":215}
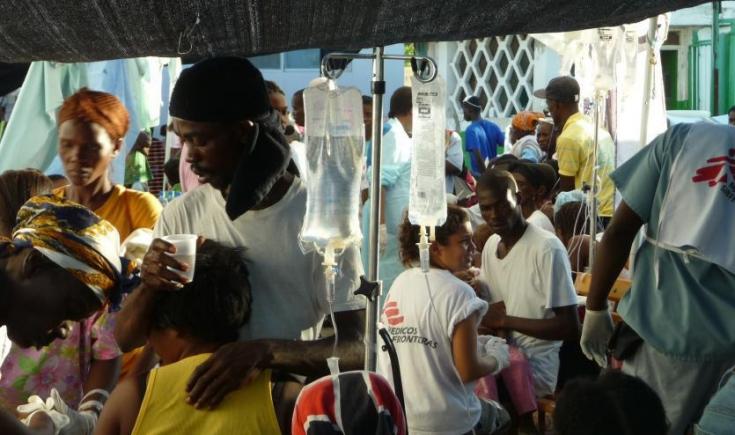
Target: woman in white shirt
{"x":432,"y":318}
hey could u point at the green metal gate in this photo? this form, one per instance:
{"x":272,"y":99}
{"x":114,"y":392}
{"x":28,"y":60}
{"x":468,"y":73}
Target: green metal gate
{"x":700,"y":70}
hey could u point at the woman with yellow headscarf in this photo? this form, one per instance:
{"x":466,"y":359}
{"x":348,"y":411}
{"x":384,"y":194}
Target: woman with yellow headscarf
{"x":60,"y":268}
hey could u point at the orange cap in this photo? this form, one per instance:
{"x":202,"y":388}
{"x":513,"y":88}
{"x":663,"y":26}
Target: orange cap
{"x":526,"y":121}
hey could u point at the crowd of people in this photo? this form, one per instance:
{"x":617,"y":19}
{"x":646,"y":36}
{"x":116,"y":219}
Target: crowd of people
{"x":484,"y":333}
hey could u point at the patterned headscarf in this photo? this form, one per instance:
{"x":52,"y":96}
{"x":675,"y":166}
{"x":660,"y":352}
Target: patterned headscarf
{"x":357,"y":402}
{"x":76,"y":239}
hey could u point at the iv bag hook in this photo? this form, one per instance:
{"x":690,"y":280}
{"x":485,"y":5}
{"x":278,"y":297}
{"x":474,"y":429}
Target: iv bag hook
{"x":423,"y":67}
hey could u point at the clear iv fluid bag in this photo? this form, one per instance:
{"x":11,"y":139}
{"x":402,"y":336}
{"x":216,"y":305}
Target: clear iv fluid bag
{"x":427,"y":205}
{"x":334,"y":137}
{"x":606,"y":49}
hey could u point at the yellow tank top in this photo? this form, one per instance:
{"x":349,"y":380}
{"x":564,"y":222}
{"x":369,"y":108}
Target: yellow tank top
{"x":248,"y":410}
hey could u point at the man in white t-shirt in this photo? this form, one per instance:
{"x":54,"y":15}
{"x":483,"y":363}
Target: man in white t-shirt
{"x":529,"y":277}
{"x":221,"y":111}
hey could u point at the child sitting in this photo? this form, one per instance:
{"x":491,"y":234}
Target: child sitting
{"x":187,"y":327}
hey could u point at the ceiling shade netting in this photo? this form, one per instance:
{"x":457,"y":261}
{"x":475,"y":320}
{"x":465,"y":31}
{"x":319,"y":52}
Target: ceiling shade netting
{"x":88,"y":30}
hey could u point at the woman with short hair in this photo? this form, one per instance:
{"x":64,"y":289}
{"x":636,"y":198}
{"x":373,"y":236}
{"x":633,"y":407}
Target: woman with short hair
{"x":433,"y":317}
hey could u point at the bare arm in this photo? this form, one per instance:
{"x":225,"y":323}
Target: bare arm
{"x":611,"y":254}
{"x":132,"y":323}
{"x":309,"y":357}
{"x":11,"y":426}
{"x":103,"y":374}
{"x":236,"y":362}
{"x":480,"y":161}
{"x":285,"y":392}
{"x":119,"y":415}
{"x":468,"y":362}
{"x":563,"y":326}
{"x":566,"y":183}
{"x":41,"y":424}
{"x":451,"y":169}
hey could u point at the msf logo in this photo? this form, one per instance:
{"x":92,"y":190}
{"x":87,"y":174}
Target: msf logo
{"x":392,"y":314}
{"x":717,"y":170}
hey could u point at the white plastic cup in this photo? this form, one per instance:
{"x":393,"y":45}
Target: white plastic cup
{"x":186,"y":252}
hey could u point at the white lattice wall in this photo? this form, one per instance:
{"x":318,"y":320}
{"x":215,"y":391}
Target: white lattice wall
{"x":499,"y":70}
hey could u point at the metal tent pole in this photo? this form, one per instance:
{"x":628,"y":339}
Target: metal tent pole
{"x":715,"y":106}
{"x":373,"y":304}
{"x":599,"y":99}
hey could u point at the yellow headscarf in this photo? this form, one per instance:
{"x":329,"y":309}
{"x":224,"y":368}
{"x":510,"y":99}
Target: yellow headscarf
{"x":74,"y":238}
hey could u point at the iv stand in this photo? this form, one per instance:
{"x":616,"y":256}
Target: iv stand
{"x":425,"y":70}
{"x":599,"y":101}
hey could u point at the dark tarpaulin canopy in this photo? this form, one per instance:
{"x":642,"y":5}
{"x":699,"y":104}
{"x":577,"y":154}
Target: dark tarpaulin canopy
{"x":86,"y":30}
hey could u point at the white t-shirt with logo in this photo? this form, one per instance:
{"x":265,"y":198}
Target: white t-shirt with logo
{"x":437,"y":402}
{"x":542,"y":221}
{"x":532,"y":279}
{"x":288,"y":288}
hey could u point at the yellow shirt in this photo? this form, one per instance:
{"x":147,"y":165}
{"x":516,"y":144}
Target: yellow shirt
{"x":248,"y":410}
{"x":126,"y":209}
{"x":574,"y":148}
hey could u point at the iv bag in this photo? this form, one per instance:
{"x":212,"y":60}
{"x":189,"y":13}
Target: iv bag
{"x":629,"y":49}
{"x":334,"y":136}
{"x":569,"y":55}
{"x":606,"y":49}
{"x":427,"y":204}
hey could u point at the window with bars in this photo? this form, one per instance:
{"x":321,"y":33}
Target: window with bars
{"x":499,"y":70}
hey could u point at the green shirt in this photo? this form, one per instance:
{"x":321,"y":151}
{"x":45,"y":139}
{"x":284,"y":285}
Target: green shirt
{"x":137,"y":169}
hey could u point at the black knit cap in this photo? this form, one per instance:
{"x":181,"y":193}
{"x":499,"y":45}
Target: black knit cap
{"x":220,"y":89}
